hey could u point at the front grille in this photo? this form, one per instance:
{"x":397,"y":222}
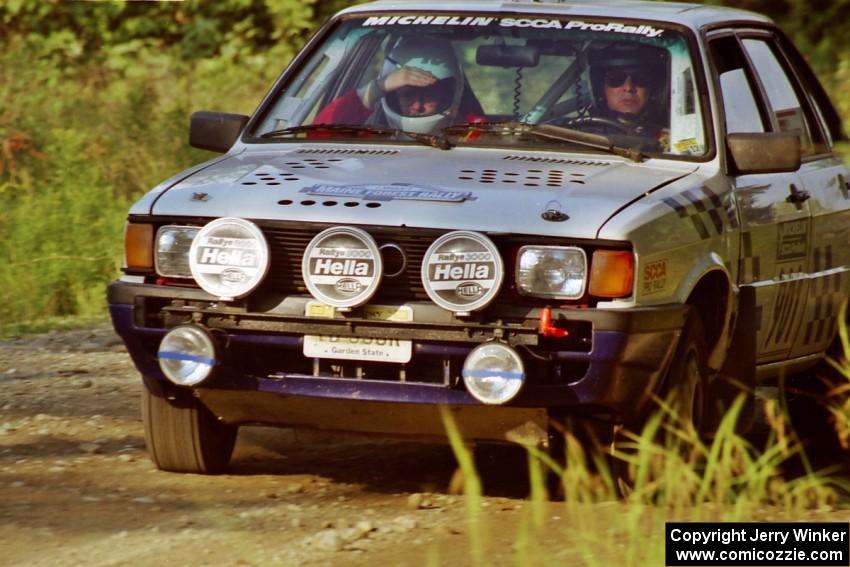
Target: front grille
{"x":287,"y":248}
{"x":288,"y":240}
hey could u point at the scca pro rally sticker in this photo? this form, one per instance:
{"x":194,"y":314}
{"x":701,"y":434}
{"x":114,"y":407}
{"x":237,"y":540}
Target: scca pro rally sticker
{"x":462,"y":271}
{"x":654,"y":277}
{"x":342,"y":267}
{"x":614,"y":27}
{"x":537,"y":23}
{"x":229,"y":258}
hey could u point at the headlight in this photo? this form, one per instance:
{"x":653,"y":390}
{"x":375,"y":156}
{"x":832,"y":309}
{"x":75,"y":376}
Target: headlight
{"x":172,"y":250}
{"x":551,"y":271}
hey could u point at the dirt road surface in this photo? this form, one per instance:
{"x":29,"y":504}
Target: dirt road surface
{"x":77,"y":488}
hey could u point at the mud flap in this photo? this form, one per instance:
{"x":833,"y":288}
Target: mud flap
{"x":738,"y":374}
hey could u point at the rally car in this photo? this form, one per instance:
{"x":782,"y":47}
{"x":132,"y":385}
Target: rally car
{"x":517,"y":212}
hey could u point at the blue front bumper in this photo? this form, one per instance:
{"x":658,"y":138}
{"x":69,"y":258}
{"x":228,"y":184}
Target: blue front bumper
{"x":630,"y":351}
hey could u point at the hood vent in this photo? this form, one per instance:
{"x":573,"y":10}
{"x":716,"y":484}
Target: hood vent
{"x":558,"y":161}
{"x":346,"y":152}
{"x":554,"y":178}
{"x":268,"y":178}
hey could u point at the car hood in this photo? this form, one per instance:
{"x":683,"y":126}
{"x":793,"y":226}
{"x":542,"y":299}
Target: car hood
{"x":477,"y":189}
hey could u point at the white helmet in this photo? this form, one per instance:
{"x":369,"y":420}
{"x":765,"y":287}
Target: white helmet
{"x":436,"y":57}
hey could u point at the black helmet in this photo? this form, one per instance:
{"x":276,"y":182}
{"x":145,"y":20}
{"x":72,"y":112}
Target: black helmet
{"x":653,"y":63}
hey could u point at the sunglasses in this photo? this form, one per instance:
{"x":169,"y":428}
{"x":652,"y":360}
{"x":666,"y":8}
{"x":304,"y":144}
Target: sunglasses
{"x":616,"y":79}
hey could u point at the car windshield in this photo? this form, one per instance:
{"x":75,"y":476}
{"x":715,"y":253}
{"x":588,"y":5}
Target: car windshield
{"x":493,"y":81}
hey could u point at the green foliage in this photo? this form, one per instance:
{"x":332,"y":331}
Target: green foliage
{"x":95,"y":99}
{"x":61,"y":238}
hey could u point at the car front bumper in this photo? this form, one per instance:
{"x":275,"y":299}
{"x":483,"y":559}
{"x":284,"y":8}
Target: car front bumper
{"x":628,"y":355}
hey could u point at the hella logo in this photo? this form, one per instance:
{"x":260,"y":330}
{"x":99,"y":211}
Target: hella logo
{"x":327,"y":266}
{"x":233,"y":276}
{"x":443,"y":272}
{"x":469,"y":289}
{"x":348,"y":286}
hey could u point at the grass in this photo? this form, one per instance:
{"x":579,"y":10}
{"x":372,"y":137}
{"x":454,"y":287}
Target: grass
{"x":77,"y":151}
{"x":619,"y":499}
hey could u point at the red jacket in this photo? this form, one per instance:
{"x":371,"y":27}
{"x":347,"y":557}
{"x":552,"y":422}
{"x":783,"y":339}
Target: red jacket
{"x":347,"y":109}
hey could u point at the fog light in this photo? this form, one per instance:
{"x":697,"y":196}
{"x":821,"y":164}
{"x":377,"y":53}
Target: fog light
{"x":493,"y":373}
{"x":187,"y":355}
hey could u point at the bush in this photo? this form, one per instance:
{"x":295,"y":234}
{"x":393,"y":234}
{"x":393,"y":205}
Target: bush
{"x":89,"y":123}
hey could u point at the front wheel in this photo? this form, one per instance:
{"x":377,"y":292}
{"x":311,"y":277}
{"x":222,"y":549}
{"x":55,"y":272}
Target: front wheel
{"x":686,"y":385}
{"x":182,"y":435}
{"x":682,"y":419}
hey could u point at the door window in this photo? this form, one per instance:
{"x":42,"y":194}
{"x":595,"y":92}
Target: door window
{"x":742,"y":112}
{"x":786,"y":107}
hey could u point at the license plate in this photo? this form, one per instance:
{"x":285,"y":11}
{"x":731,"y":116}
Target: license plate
{"x":359,"y":348}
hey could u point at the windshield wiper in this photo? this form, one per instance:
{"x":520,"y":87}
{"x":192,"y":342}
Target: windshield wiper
{"x":549,"y":132}
{"x":427,"y":139}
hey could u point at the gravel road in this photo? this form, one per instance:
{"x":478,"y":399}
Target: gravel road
{"x":77,"y":488}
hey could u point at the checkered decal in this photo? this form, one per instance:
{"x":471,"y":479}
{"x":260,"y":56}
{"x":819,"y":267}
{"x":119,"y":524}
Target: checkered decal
{"x":706,"y":209}
{"x":822,"y":258}
{"x":828,"y":297}
{"x":788,"y":299}
{"x":749,"y":266}
{"x":828,"y":293}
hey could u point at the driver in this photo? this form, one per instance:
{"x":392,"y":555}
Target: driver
{"x":628,"y":84}
{"x":420,"y":89}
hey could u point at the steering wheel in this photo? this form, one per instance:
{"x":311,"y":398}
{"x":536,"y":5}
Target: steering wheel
{"x":583,"y":122}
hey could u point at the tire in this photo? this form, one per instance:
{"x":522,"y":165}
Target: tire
{"x":686,"y":384}
{"x":683,"y":391}
{"x":182,"y":435}
{"x":594,"y":439}
{"x":808,"y":397}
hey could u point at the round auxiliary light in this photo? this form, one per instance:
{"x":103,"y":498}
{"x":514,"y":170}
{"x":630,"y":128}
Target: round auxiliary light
{"x":493,"y":373}
{"x":187,"y":355}
{"x":229,"y":258}
{"x":342,"y":267}
{"x":462,"y":271}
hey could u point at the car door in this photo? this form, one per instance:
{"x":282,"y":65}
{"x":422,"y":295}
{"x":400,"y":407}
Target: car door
{"x":775,"y":216}
{"x":800,"y":105}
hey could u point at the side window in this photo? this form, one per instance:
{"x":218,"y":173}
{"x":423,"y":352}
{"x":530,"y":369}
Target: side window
{"x":788,"y":110}
{"x":743,"y":113}
{"x":827,"y":117}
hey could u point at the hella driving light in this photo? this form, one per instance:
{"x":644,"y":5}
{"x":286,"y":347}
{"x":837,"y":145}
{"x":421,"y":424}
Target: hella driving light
{"x":187,"y":355}
{"x":342,"y":267}
{"x":462,"y":271}
{"x":493,"y":373}
{"x":551,"y":271}
{"x":229,"y":258}
{"x":171,"y":253}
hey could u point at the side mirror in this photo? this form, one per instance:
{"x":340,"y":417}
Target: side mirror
{"x":215,"y":131}
{"x":772,"y":152}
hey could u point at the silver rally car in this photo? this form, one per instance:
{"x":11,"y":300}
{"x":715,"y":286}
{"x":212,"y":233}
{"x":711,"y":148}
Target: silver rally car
{"x":516,"y":211}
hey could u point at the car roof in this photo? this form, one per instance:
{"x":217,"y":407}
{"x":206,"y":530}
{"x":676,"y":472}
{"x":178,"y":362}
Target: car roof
{"x":695,"y":16}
